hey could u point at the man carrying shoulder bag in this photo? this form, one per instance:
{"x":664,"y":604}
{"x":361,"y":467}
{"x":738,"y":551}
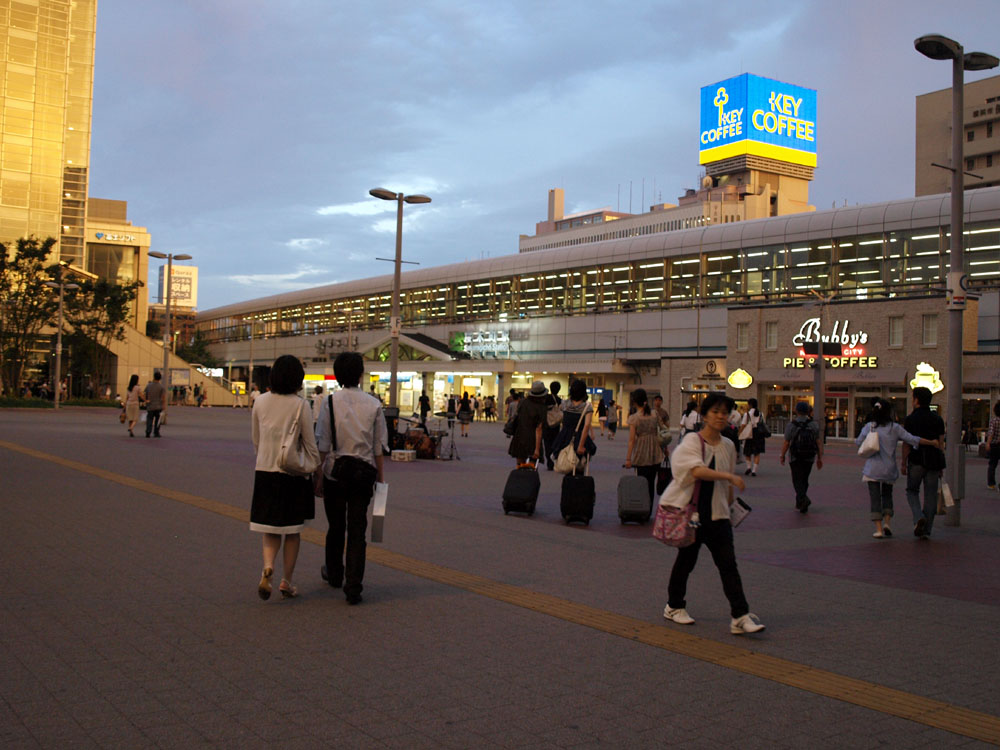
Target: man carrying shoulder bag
{"x":351,"y":435}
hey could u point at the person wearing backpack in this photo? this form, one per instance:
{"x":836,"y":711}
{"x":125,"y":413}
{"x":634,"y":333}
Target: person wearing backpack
{"x":803,"y":443}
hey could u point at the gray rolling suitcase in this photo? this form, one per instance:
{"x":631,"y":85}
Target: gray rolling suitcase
{"x":633,"y":499}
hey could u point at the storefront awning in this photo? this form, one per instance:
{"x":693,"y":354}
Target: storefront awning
{"x":834,"y":376}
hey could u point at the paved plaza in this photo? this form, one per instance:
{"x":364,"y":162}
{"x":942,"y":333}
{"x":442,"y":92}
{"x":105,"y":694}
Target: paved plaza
{"x":131,"y":619}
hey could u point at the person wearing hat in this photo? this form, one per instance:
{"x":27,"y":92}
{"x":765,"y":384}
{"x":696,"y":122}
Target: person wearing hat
{"x":802,"y":441}
{"x":526,"y":441}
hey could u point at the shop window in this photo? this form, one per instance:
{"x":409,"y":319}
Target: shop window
{"x":896,"y":331}
{"x":742,"y":336}
{"x":930,"y":330}
{"x":771,"y":335}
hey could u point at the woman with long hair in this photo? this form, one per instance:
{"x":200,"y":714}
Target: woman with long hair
{"x":643,"y":452}
{"x":882,"y":469}
{"x":753,"y":444}
{"x":465,"y":413}
{"x":281,"y":501}
{"x":133,"y":398}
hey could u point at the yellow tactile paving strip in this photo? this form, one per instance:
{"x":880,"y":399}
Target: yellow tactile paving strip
{"x":934,"y":713}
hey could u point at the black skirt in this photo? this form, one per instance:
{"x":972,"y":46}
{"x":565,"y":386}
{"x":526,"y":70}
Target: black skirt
{"x":281,"y":502}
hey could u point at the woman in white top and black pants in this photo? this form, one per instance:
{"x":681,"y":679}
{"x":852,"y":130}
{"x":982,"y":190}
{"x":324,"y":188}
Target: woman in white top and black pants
{"x":703,"y":473}
{"x":281,"y":501}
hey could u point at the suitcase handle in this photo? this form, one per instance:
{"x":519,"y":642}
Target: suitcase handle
{"x":529,"y":465}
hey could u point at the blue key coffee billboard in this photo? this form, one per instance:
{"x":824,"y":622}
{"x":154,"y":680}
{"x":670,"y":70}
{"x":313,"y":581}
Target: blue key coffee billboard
{"x":749,"y":114}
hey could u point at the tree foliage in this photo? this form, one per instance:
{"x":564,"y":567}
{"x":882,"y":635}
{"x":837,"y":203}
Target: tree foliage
{"x":26,"y":305}
{"x":97,"y":313}
{"x":197,"y":352}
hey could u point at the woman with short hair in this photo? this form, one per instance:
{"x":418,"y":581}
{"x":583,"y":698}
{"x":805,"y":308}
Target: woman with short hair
{"x":281,"y":501}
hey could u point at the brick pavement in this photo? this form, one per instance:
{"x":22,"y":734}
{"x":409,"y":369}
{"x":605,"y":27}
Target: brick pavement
{"x":132,"y":619}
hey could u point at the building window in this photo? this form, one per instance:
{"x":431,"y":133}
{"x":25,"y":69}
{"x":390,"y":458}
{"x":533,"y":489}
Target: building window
{"x":989,"y":130}
{"x":970,"y":136}
{"x":989,"y":160}
{"x":771,"y":335}
{"x":742,"y":336}
{"x":896,"y":331}
{"x":930,"y":330}
{"x":970,"y":163}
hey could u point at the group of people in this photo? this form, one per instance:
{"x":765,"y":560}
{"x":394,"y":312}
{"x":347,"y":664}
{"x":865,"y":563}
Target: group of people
{"x":350,"y":436}
{"x":153,"y":396}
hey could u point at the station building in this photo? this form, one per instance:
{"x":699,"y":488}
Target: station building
{"x":681,"y":300}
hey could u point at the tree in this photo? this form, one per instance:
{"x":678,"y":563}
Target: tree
{"x":197,"y":352}
{"x":26,"y":305}
{"x":97,"y":313}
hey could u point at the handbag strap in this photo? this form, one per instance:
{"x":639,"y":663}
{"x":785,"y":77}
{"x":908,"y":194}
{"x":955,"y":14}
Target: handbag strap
{"x":333,"y":425}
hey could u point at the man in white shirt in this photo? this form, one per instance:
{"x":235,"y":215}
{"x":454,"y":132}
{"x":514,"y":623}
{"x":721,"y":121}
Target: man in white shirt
{"x":317,"y":402}
{"x":351,"y":442}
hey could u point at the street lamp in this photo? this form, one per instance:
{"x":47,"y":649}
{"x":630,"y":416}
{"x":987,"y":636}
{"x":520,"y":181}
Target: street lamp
{"x":170,"y":258}
{"x":939,"y":47}
{"x":396,"y":322}
{"x":60,"y":285}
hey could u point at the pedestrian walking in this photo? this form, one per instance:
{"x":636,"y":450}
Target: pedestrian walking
{"x":464,"y":413}
{"x":573,"y":409}
{"x":881,"y":469}
{"x":529,"y":416}
{"x":317,"y":403}
{"x":993,"y":446}
{"x":477,"y":407}
{"x":750,"y":434}
{"x":132,"y":400}
{"x":425,"y":407}
{"x":602,"y":414}
{"x":690,"y":420}
{"x":643,"y":452}
{"x":281,"y":501}
{"x":614,"y":411}
{"x":804,"y":446}
{"x":254,"y":393}
{"x":923,"y":465}
{"x":351,"y":434}
{"x":155,"y":396}
{"x":553,"y":422}
{"x":703,"y":474}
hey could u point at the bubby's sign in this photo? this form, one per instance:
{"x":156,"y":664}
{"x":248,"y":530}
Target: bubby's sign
{"x":852,"y":346}
{"x":760,"y":116}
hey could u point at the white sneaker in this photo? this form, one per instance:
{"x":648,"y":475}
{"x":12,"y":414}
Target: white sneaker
{"x":680,"y":616}
{"x":749,"y":623}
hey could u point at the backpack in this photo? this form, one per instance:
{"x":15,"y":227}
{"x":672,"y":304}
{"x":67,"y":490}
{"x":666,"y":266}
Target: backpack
{"x":803,"y":445}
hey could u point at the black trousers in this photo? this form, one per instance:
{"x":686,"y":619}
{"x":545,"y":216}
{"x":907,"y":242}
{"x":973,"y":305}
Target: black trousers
{"x":153,"y":421}
{"x":346,"y":506}
{"x":549,"y":435}
{"x":649,"y":474}
{"x":800,"y":479}
{"x":718,"y":537}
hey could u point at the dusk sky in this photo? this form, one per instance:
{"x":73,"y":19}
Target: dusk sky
{"x":247,"y":133}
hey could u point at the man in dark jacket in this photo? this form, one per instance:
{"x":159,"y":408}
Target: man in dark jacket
{"x":803,"y":442}
{"x":923,"y":465}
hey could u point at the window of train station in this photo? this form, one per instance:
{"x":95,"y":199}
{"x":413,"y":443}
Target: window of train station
{"x":898,"y":263}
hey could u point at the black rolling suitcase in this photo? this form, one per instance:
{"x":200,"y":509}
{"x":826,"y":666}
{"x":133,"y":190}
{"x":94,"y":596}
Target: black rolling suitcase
{"x":521,"y":491}
{"x":576,"y":502}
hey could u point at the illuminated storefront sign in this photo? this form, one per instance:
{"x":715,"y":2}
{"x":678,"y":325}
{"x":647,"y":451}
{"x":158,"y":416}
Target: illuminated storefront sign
{"x":478,"y":344}
{"x":852,"y":351}
{"x":759,"y":116}
{"x":740,"y":379}
{"x":114,"y":237}
{"x":926,"y":376}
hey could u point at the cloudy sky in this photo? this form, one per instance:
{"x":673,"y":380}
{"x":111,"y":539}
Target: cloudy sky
{"x":247,"y":133}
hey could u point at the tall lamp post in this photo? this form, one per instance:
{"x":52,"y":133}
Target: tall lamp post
{"x":60,"y":285}
{"x":939,"y":47}
{"x":170,"y":258}
{"x":396,"y":322}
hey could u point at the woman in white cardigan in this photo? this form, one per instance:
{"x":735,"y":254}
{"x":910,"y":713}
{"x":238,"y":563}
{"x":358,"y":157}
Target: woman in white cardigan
{"x":281,"y":501}
{"x":703,"y":473}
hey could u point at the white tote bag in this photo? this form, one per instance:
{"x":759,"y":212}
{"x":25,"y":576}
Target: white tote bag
{"x":869,"y":446}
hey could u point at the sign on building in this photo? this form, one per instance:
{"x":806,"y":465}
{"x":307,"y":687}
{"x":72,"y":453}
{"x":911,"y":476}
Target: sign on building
{"x":183,"y":285}
{"x":757,"y":116}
